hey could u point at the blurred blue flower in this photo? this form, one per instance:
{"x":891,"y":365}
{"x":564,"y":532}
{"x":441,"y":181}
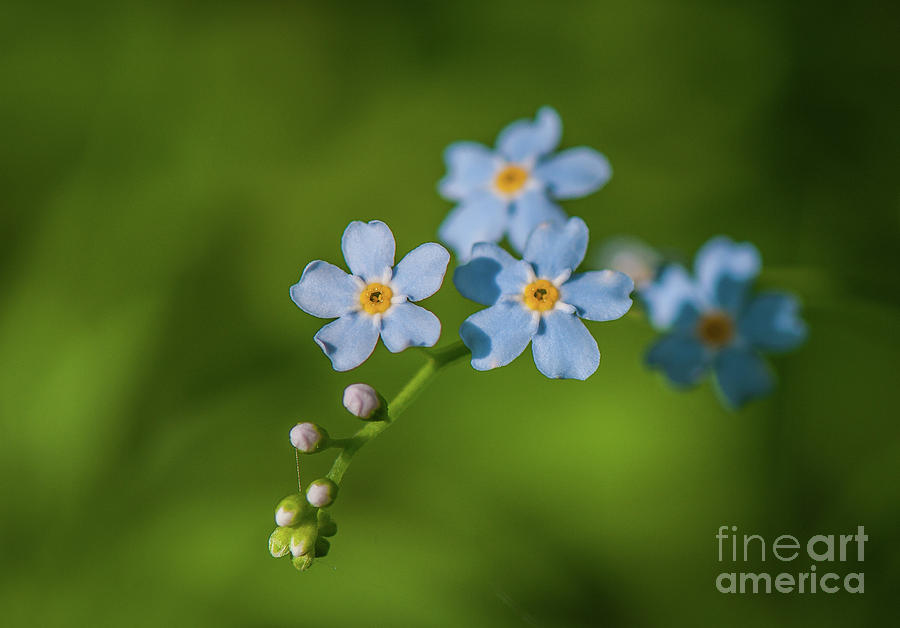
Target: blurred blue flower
{"x":375,"y":299}
{"x":508,"y":190}
{"x":539,"y":300}
{"x":713,"y":322}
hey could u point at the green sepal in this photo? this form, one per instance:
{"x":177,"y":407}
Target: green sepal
{"x":381,"y":413}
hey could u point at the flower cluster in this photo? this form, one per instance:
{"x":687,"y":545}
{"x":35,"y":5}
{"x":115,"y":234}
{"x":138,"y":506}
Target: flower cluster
{"x":710,"y":320}
{"x":301,"y":532}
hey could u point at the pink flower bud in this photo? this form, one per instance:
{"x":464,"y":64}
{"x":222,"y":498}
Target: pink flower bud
{"x":308,"y":437}
{"x":363,"y":401}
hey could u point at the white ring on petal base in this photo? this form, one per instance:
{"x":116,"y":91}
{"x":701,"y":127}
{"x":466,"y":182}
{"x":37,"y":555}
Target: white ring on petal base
{"x":385,"y":280}
{"x":531,"y":183}
{"x":557,"y":282}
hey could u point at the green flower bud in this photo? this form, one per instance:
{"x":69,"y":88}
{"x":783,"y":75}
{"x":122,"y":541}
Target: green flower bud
{"x":280,"y":542}
{"x":290,"y":510}
{"x":308,"y":438}
{"x":302,"y":563}
{"x":321,"y":493}
{"x":327,"y":526}
{"x":322,"y":547}
{"x":303,"y":540}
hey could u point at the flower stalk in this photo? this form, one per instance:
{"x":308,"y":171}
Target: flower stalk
{"x":437,"y":360}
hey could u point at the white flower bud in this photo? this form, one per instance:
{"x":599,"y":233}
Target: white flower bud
{"x":321,"y":492}
{"x":363,"y":401}
{"x":300,"y":545}
{"x":308,"y":438}
{"x":289,"y":510}
{"x":285,"y":517}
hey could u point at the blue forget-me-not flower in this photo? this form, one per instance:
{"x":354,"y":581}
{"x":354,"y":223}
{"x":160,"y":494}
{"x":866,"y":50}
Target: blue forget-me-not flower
{"x":713,"y":322}
{"x":509,"y":190}
{"x":375,"y":298}
{"x":539,"y":300}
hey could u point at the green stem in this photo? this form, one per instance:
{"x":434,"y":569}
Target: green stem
{"x":437,"y":360}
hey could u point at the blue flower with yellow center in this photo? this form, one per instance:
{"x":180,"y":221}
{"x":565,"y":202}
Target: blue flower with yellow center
{"x":712,"y":322}
{"x":510,"y":190}
{"x":375,"y":298}
{"x":539,"y":300}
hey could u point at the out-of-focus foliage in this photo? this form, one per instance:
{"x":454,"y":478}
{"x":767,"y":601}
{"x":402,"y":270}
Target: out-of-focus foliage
{"x":167,"y":169}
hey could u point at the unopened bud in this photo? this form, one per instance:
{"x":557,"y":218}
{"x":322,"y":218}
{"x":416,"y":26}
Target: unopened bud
{"x":302,"y":542}
{"x":363,"y":401}
{"x":327,"y":526}
{"x":322,"y":547}
{"x":280,"y":542}
{"x":302,"y":563}
{"x":289,"y":510}
{"x":308,"y":438}
{"x":321,"y":492}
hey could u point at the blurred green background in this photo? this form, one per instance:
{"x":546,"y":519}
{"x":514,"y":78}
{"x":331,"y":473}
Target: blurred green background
{"x":168,"y":170}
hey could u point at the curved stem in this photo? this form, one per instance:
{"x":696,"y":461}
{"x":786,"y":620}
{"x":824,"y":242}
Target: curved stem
{"x":437,"y":360}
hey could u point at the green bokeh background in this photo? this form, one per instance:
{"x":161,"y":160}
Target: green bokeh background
{"x":167,"y":171}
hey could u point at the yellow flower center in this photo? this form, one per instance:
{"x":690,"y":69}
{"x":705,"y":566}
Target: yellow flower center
{"x":376,"y":298}
{"x":511,"y":179}
{"x":540,"y":295}
{"x":715,"y":329}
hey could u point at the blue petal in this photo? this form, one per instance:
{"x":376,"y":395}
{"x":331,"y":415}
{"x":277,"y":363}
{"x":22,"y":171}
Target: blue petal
{"x":477,"y":279}
{"x":421,"y":273}
{"x":531,"y":209}
{"x":349,"y":340}
{"x":682,"y":358}
{"x":600,"y":295}
{"x":324,"y":290}
{"x":724,"y":271}
{"x":742,"y":375}
{"x":469,"y":167}
{"x":772,"y":322}
{"x":564,"y":348}
{"x":555,"y":250}
{"x":524,"y":139}
{"x":480,"y":218}
{"x":574,"y":173}
{"x":407,"y":325}
{"x":498,"y":335}
{"x":667,"y":295}
{"x":368,"y":249}
{"x":513,"y":279}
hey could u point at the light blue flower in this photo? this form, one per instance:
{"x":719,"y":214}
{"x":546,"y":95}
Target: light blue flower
{"x":375,"y":298}
{"x":509,"y":190}
{"x":713,"y":322}
{"x":539,"y":300}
